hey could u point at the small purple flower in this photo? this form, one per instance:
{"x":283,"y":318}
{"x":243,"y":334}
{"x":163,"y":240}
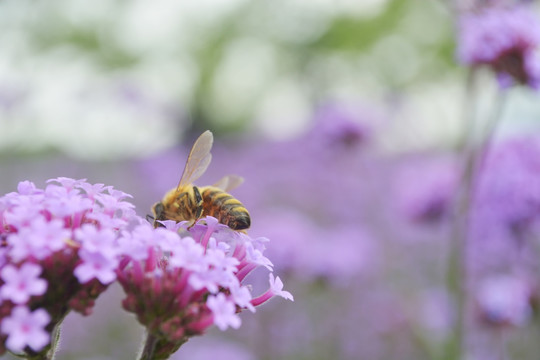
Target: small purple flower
{"x":173,"y":225}
{"x":224,"y":312}
{"x":67,"y":183}
{"x":28,"y":188}
{"x":255,"y":255}
{"x":25,"y":328}
{"x":22,"y":283}
{"x":93,"y":239}
{"x":92,"y":190}
{"x":188,"y":255}
{"x":62,"y":202}
{"x":242,"y":297}
{"x":113,"y":204}
{"x":38,"y":240}
{"x":96,"y":265}
{"x":504,"y":39}
{"x":134,"y":244}
{"x":276,"y":289}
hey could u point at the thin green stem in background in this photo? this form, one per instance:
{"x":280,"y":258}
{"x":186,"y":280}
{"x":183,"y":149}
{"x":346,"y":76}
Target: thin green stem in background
{"x":473,"y":153}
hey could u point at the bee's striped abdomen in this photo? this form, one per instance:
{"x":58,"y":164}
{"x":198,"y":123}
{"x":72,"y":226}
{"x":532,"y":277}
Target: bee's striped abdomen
{"x":224,"y":207}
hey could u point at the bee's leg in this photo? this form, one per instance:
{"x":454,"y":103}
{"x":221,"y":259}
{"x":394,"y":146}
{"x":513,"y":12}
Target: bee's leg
{"x":198,"y":206}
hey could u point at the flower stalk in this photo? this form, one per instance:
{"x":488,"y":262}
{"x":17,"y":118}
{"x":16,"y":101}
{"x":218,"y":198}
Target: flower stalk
{"x":474,"y":152}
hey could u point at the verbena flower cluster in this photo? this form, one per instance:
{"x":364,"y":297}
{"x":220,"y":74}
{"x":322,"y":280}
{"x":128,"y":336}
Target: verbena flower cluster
{"x":180,"y":286}
{"x":59,"y":251}
{"x":62,"y":246}
{"x":505,"y":39}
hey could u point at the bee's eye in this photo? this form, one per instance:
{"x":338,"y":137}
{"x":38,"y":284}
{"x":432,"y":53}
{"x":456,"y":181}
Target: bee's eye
{"x":158,"y":210}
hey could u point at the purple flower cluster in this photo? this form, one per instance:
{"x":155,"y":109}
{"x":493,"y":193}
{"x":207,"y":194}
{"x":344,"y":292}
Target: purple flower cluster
{"x":504,"y":39}
{"x":179,"y":286}
{"x":506,"y":207}
{"x":59,"y":251}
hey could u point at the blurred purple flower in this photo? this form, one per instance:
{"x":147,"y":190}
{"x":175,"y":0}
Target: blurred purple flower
{"x":504,"y":300}
{"x":506,"y":40}
{"x":425,"y":188}
{"x":506,"y":204}
{"x":342,"y":124}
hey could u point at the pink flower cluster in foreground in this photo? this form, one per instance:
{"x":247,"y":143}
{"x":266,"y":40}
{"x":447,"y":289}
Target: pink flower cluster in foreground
{"x":179,"y":286}
{"x":62,"y":246}
{"x":59,"y":251}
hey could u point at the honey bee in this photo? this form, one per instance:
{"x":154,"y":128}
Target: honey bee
{"x":190,"y":202}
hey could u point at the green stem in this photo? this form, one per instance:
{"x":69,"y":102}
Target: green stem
{"x":55,"y":340}
{"x":149,"y":347}
{"x":473,"y":153}
{"x":456,"y":274}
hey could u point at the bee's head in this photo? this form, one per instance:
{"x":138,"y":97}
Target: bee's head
{"x":159,"y":213}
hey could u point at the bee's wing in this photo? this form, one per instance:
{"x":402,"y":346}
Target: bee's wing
{"x":229,"y":182}
{"x":198,"y":160}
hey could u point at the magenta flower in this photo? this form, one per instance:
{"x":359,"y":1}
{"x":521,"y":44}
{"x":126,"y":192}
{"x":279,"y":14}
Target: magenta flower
{"x":25,"y":328}
{"x":21,"y":283}
{"x":504,"y":39}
